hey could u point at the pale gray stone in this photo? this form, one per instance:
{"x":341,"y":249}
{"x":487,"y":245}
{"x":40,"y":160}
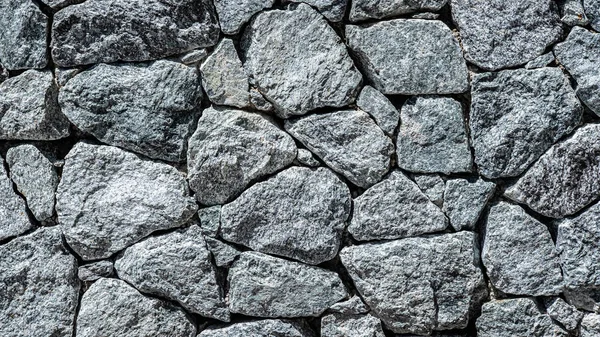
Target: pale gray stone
{"x":379,"y":9}
{"x":348,"y":141}
{"x":63,"y":75}
{"x":425,"y":16}
{"x":540,"y":61}
{"x":572,"y":12}
{"x":58,"y":4}
{"x":587,"y":299}
{"x":299,"y":213}
{"x":394,"y":208}
{"x":108,"y":199}
{"x":516,"y":115}
{"x":410,"y":57}
{"x":464,"y":201}
{"x":590,"y":326}
{"x":104,"y":31}
{"x":13,"y":212}
{"x":353,"y":306}
{"x":96,"y":270}
{"x":333,"y":10}
{"x":340,"y":325}
{"x":417,"y":285}
{"x":306,"y":158}
{"x":305,"y":66}
{"x":433,"y":186}
{"x":380,"y":108}
{"x":231,"y":149}
{"x":564,"y":313}
{"x":592,"y":10}
{"x":233,"y":14}
{"x":496,"y":34}
{"x":259,"y":102}
{"x":265,"y":327}
{"x":112,"y":308}
{"x":223,"y":253}
{"x":194,"y":57}
{"x":291,"y":289}
{"x":210,"y":220}
{"x":39,"y":292}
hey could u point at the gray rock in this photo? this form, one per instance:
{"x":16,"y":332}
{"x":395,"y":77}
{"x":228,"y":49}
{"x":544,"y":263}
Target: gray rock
{"x":233,"y":14}
{"x":590,"y":325}
{"x":35,"y":178}
{"x":96,"y":270}
{"x":587,"y":299}
{"x":58,"y":4}
{"x":13,"y":212}
{"x":265,"y":327}
{"x":417,"y":285}
{"x":176,"y":266}
{"x":299,"y":213}
{"x":592,"y":10}
{"x":395,"y":69}
{"x":465,"y":200}
{"x":565,"y":179}
{"x":232,"y":148}
{"x":63,"y":75}
{"x":516,"y":115}
{"x":353,"y":306}
{"x":572,"y":12}
{"x":380,"y":108}
{"x":108,"y":199}
{"x":223,"y":253}
{"x":564,"y":313}
{"x":540,"y":61}
{"x":348,"y":141}
{"x":23,"y":33}
{"x":306,"y":158}
{"x":39,"y":287}
{"x":112,"y":308}
{"x":339,"y":325}
{"x":194,"y":57}
{"x":29,"y":108}
{"x":104,"y":31}
{"x":433,"y":186}
{"x":265,"y":286}
{"x":3,"y":73}
{"x":425,"y":16}
{"x":259,"y":102}
{"x":394,"y":208}
{"x":433,"y":137}
{"x":518,"y":253}
{"x":333,"y":10}
{"x":305,"y":66}
{"x":210,"y":220}
{"x":496,"y":34}
{"x":379,"y":9}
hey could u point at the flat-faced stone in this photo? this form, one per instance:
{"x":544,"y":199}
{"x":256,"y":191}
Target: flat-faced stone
{"x":592,"y":11}
{"x":265,"y":327}
{"x":564,"y":313}
{"x":590,"y":325}
{"x":332,"y":10}
{"x":433,"y":186}
{"x":96,"y":270}
{"x":540,"y":61}
{"x":464,"y":201}
{"x":13,"y":212}
{"x":233,"y":14}
{"x":572,"y":12}
{"x":587,"y":299}
{"x":379,"y":9}
{"x":223,"y":253}
{"x":210,"y":220}
{"x":380,"y":108}
{"x":340,"y":325}
{"x":353,"y":306}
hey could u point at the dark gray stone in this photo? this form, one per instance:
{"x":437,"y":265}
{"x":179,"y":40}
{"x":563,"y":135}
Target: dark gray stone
{"x":13,"y":212}
{"x":96,"y":270}
{"x":564,"y":313}
{"x":433,"y":186}
{"x":425,"y":16}
{"x":590,"y":326}
{"x":265,"y":327}
{"x":587,"y":299}
{"x":333,"y":10}
{"x":464,"y":201}
{"x":379,"y":9}
{"x":233,"y":14}
{"x":592,"y":10}
{"x":340,"y":325}
{"x":210,"y":220}
{"x":380,"y":108}
{"x":540,"y":61}
{"x":223,"y":253}
{"x":572,"y":12}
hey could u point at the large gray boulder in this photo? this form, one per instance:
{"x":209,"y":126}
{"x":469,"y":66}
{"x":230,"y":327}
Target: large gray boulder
{"x":13,"y":212}
{"x":379,"y":9}
{"x":233,"y":14}
{"x":265,"y":327}
{"x":380,"y":108}
{"x":108,"y":199}
{"x":464,"y":201}
{"x":332,"y":10}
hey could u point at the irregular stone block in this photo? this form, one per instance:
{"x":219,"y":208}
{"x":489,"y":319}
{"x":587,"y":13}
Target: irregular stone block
{"x":306,"y":158}
{"x":223,"y":253}
{"x":339,"y":325}
{"x":210,"y":220}
{"x":592,"y":11}
{"x":564,"y":313}
{"x":587,"y":299}
{"x":265,"y":327}
{"x":333,"y":10}
{"x":379,"y":9}
{"x":96,"y":270}
{"x":433,"y":186}
{"x":590,"y":325}
{"x":380,"y":108}
{"x":233,"y":14}
{"x":465,"y":200}
{"x":58,"y":4}
{"x":540,"y":61}
{"x":3,"y":73}
{"x":13,"y":212}
{"x":572,"y":12}
{"x":353,"y":306}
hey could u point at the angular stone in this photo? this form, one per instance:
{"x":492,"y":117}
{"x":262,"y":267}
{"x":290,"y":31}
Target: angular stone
{"x":108,"y":199}
{"x":13,"y":212}
{"x":387,"y":53}
{"x":379,"y":9}
{"x":148,"y":108}
{"x":516,"y":115}
{"x":23,"y":34}
{"x":306,"y":158}
{"x":299,"y":213}
{"x":333,"y":10}
{"x":193,"y":57}
{"x":518,"y":253}
{"x":433,"y":137}
{"x":464,"y":201}
{"x":96,"y":270}
{"x":210,"y":220}
{"x":35,"y":178}
{"x":587,"y":299}
{"x":58,"y":4}
{"x":380,"y":108}
{"x":572,"y":12}
{"x":104,"y":31}
{"x":63,"y":75}
{"x":39,"y":287}
{"x":339,"y":325}
{"x":233,"y":14}
{"x":265,"y":327}
{"x":348,"y":141}
{"x":224,"y":78}
{"x":232,"y":148}
{"x":29,"y":108}
{"x":496,"y":34}
{"x":265,"y":286}
{"x":564,"y":313}
{"x":305,"y":66}
{"x":223,"y":253}
{"x":3,"y":73}
{"x":540,"y":61}
{"x":417,"y":285}
{"x":590,"y":326}
{"x":353,"y":306}
{"x":111,"y":307}
{"x":592,"y":10}
{"x":259,"y":102}
{"x":565,"y":179}
{"x":433,"y":186}
{"x":394,"y":208}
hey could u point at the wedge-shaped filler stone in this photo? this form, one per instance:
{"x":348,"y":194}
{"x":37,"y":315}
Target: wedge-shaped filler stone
{"x":464,"y":201}
{"x":265,"y":286}
{"x":417,"y":285}
{"x":298,"y":62}
{"x":109,"y":199}
{"x":232,"y":148}
{"x":410,"y":57}
{"x":148,"y":108}
{"x":380,"y":108}
{"x":333,"y":10}
{"x":13,"y":212}
{"x":300,"y":213}
{"x":342,"y":325}
{"x":233,"y":14}
{"x":265,"y":327}
{"x":379,"y":9}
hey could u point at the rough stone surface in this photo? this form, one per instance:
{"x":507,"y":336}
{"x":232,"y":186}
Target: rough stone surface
{"x":266,"y":327}
{"x":305,"y":66}
{"x":433,"y":186}
{"x":113,"y":308}
{"x":233,"y":14}
{"x":339,"y":325}
{"x":3,"y":73}
{"x":417,"y":285}
{"x":223,"y":253}
{"x":259,"y":102}
{"x":410,"y":57}
{"x":587,"y":299}
{"x":590,"y":325}
{"x":39,"y":292}
{"x":572,"y":12}
{"x":353,"y":306}
{"x":464,"y":201}
{"x":592,"y":10}
{"x":232,"y":148}
{"x":107,"y":199}
{"x":394,"y":208}
{"x":348,"y":141}
{"x":379,"y":9}
{"x":210,"y":220}
{"x":380,"y":108}
{"x":564,"y":313}
{"x":518,"y":253}
{"x":265,"y":286}
{"x":96,"y":270}
{"x":425,"y":16}
{"x":516,"y":115}
{"x":13,"y":212}
{"x":63,"y":75}
{"x":299,"y":213}
{"x":146,"y":108}
{"x":193,"y":57}
{"x":58,"y":4}
{"x":333,"y":10}
{"x":103,"y":31}
{"x":540,"y":61}
{"x":496,"y":34}
{"x":306,"y":158}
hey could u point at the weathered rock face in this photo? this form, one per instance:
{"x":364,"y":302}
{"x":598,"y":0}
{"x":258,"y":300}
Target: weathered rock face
{"x":433,"y":186}
{"x":378,"y":9}
{"x":107,"y":199}
{"x":497,"y":35}
{"x":348,"y":141}
{"x":265,"y":327}
{"x":565,"y":179}
{"x":353,"y":306}
{"x":587,"y":299}
{"x":210,"y":220}
{"x":387,"y":50}
{"x":540,"y":61}
{"x":96,"y":270}
{"x":592,"y":10}
{"x":299,"y":213}
{"x":40,"y":288}
{"x":572,"y":12}
{"x":339,"y":325}
{"x":305,"y":65}
{"x":147,"y":108}
{"x":380,"y":108}
{"x":464,"y":201}
{"x":306,"y":158}
{"x":224,"y":254}
{"x":333,"y":10}
{"x":13,"y":212}
{"x":265,"y":286}
{"x":3,"y":73}
{"x":590,"y":325}
{"x":104,"y":31}
{"x":233,"y":14}
{"x":516,"y":115}
{"x":564,"y":313}
{"x":232,"y":148}
{"x":417,"y":285}
{"x":58,"y":4}
{"x":113,"y":308}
